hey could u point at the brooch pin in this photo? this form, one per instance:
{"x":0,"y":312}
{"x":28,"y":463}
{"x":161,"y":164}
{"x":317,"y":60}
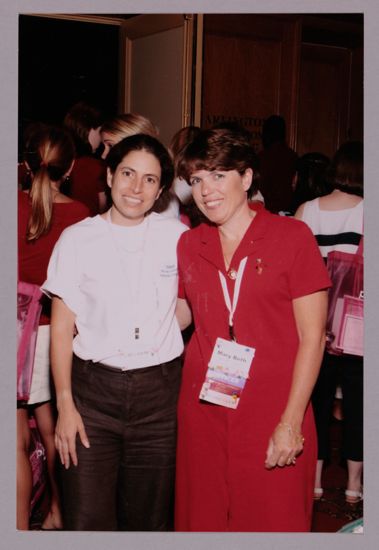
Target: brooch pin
{"x":259,"y":266}
{"x":232,"y":274}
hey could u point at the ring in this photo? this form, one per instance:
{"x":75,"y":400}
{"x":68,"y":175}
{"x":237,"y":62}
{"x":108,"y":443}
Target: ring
{"x":293,"y":460}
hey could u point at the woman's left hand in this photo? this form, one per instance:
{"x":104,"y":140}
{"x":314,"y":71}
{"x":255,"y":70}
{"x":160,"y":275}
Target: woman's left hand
{"x":284,"y":446}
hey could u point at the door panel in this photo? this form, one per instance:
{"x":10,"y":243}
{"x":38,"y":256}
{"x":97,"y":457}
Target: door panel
{"x":250,"y":71}
{"x":158,"y":70}
{"x":323,"y":99}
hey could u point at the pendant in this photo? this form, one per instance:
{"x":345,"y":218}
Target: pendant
{"x":136,"y":333}
{"x":232,"y":274}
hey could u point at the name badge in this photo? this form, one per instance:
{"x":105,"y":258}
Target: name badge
{"x":227,"y":373}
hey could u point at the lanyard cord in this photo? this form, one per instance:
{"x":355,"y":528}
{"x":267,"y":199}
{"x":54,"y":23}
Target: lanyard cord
{"x":232,"y":305}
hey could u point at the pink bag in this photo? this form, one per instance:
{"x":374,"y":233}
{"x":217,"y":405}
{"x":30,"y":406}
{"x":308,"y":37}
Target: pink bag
{"x":344,"y":327}
{"x":28,"y":314}
{"x":37,"y":458}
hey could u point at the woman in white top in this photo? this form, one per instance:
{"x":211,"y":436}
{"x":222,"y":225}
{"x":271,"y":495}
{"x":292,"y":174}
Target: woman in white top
{"x":336,"y":220}
{"x":128,"y":124}
{"x":113,"y":279}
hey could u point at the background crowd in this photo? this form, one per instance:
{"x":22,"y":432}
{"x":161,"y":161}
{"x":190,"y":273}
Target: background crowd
{"x":218,"y":198}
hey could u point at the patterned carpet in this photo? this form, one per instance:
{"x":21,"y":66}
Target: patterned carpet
{"x":331,"y":513}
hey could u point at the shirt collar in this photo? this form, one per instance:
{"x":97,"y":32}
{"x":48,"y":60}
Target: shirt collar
{"x":251,"y":243}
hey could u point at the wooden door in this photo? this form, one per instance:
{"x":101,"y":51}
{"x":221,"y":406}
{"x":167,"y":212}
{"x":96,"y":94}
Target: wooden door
{"x":324,"y":98}
{"x":250,"y":70}
{"x":157,"y":51}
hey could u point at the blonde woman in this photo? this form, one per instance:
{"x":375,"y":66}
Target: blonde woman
{"x":43,"y":213}
{"x":122,"y":126}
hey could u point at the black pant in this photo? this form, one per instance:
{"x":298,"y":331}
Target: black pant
{"x":346,"y":370}
{"x":125,"y":480}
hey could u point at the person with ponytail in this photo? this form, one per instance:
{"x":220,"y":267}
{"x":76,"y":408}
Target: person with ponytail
{"x":43,"y":213}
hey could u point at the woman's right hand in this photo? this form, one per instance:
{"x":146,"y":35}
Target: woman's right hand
{"x":69,"y":424}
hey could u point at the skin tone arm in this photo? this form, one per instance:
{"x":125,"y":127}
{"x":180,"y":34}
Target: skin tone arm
{"x":310,"y":316}
{"x":69,"y":421}
{"x":299,"y":212}
{"x":183,"y":313}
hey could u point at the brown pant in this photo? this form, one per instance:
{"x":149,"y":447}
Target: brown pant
{"x":125,"y":480}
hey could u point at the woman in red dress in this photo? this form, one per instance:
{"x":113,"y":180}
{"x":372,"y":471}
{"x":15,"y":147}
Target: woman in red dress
{"x":249,"y":468}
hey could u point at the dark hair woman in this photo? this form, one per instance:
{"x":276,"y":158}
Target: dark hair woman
{"x":87,"y":181}
{"x":255,"y":283}
{"x":114,"y":278}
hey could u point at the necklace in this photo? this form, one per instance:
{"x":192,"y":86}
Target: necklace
{"x":134,"y":296}
{"x":135,"y":240}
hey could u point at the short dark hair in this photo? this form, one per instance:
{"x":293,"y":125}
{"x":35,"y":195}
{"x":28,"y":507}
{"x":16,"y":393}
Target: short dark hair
{"x":80,"y":119}
{"x":273,"y":130}
{"x":346,"y":169}
{"x":144,"y":142}
{"x":218,"y":149}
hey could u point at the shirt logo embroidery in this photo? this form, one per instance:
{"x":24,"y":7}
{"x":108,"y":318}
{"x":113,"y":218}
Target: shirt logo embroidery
{"x":169,"y":270}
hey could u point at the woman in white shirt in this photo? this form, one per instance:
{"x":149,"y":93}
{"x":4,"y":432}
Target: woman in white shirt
{"x":128,"y":124}
{"x":336,"y":220}
{"x":113,"y":279}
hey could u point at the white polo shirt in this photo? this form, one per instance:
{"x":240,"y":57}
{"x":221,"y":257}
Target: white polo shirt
{"x":121,"y":283}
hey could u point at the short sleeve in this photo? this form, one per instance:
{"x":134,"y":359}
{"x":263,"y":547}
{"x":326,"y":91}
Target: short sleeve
{"x":308,"y":272}
{"x":63,"y":278}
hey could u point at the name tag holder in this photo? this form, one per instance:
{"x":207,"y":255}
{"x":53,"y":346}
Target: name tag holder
{"x":227,"y":373}
{"x":230,"y":363}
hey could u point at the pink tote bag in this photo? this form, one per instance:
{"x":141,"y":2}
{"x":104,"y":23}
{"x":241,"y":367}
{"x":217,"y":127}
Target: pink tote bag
{"x":28,"y":314}
{"x":344,"y":328}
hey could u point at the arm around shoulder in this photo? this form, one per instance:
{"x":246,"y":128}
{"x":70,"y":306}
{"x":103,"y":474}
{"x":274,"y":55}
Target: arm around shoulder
{"x":183,"y":313}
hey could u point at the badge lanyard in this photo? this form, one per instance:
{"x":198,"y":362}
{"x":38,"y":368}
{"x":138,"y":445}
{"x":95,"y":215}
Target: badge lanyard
{"x":232,"y":305}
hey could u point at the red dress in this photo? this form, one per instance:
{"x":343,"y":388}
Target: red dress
{"x":222,"y":484}
{"x":33,"y":257}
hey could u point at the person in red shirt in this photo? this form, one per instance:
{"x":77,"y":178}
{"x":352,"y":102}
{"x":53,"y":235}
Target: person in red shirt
{"x":255,"y":284}
{"x":43,"y":213}
{"x":87,"y":182}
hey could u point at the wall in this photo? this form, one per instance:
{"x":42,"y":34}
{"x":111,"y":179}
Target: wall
{"x":250,"y":70}
{"x":307,"y":68}
{"x":156,"y":90}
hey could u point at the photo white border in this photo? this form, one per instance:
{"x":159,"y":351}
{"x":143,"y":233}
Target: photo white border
{"x":38,"y":540}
